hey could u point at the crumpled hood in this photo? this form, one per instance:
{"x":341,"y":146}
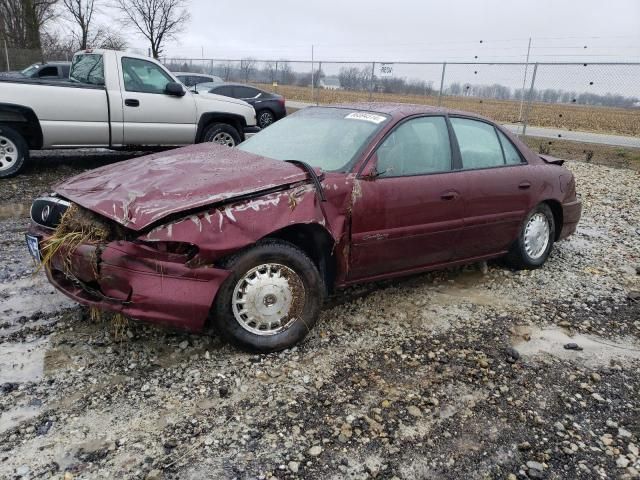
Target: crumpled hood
{"x":139,"y":192}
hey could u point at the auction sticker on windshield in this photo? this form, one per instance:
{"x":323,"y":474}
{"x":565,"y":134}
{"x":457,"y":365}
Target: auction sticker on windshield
{"x":366,"y":116}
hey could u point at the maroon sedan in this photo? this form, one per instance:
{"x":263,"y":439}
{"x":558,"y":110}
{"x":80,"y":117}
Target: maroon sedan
{"x":253,"y":238}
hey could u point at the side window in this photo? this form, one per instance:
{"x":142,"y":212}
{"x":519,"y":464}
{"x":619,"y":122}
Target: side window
{"x":511,"y":154}
{"x":88,"y":68}
{"x":245,"y":92}
{"x":478,"y":142}
{"x":143,"y":76}
{"x":48,"y":72}
{"x":184,"y":79}
{"x":65,"y":71}
{"x":416,"y":147}
{"x":227,"y":91}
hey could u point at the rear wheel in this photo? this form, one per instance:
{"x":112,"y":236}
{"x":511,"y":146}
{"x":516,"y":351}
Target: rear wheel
{"x":271,"y":300}
{"x":222,"y":134}
{"x":534,"y":243}
{"x":14,"y":152}
{"x":265,"y":118}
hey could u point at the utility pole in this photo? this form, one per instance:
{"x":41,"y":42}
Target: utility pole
{"x":524,"y":80}
{"x":6,"y":54}
{"x":312,"y":78}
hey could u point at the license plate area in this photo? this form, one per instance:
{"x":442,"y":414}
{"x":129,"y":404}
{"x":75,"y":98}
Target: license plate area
{"x":33,"y":244}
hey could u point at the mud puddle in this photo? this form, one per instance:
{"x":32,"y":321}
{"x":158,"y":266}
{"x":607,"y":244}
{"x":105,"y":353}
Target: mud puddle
{"x":27,"y":296}
{"x":22,"y":362}
{"x":595,"y":351}
{"x":467,"y":287}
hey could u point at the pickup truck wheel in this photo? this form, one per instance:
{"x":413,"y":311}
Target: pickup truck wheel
{"x":222,"y":134}
{"x":14,"y":152}
{"x":265,"y":118}
{"x":272,"y":298}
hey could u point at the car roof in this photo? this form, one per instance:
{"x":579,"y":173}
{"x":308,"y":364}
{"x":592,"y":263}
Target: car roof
{"x":405,"y":109}
{"x":194,"y":74}
{"x":237,"y":84}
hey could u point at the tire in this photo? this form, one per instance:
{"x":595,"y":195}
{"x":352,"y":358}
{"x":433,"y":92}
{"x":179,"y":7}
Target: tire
{"x":535,"y":239}
{"x":260,"y":326}
{"x":14,"y":152}
{"x":222,"y":134}
{"x":265,"y":118}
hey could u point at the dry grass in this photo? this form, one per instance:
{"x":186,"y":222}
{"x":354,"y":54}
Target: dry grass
{"x":76,"y":227}
{"x":620,"y":121}
{"x":587,"y":152}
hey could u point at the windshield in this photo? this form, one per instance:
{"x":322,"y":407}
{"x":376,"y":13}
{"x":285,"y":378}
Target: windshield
{"x":324,"y":137}
{"x":27,"y":72}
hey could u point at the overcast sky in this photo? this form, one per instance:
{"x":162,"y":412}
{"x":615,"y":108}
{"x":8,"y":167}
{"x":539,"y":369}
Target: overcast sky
{"x":420,"y":30}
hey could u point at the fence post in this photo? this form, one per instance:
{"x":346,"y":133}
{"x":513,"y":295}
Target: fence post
{"x":371,"y":83}
{"x":529,"y":100}
{"x":313,"y":93}
{"x":444,"y":67}
{"x":275,"y":77}
{"x":6,"y":54}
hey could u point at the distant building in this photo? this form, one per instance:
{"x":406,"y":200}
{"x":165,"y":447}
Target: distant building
{"x":330,"y":83}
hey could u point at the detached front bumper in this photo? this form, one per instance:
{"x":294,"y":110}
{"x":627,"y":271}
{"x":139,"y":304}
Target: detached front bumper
{"x":571,"y":212}
{"x":137,"y":281}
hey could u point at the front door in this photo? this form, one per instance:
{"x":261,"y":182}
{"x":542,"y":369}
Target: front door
{"x":409,"y":216}
{"x":151,"y":117}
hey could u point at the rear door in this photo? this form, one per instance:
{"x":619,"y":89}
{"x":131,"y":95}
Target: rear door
{"x":151,"y":117}
{"x":497,"y":192}
{"x":411,"y":214}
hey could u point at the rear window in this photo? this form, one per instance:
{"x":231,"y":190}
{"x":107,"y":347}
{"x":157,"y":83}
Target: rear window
{"x":87,"y":68}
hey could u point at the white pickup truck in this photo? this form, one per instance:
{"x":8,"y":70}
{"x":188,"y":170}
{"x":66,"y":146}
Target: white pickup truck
{"x":113,"y":100}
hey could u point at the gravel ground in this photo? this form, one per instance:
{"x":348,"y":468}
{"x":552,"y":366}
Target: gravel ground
{"x":452,"y":374}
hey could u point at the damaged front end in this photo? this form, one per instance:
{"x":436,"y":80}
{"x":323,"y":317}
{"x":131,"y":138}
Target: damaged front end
{"x":99,"y":263}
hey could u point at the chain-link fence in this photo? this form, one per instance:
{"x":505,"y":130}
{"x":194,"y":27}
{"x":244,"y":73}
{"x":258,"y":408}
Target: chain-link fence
{"x":549,"y":99}
{"x":15,"y":59}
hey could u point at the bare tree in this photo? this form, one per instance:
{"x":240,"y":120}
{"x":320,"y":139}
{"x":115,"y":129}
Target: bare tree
{"x":156,"y":20}
{"x":247,"y":67}
{"x":81,"y":12}
{"x":286,"y":73}
{"x":21,"y":21}
{"x":270,"y":71}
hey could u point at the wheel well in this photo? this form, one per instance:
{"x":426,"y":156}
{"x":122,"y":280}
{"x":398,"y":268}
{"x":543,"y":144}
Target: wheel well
{"x":236,"y":121}
{"x":24,"y":121}
{"x":315,"y":241}
{"x":556,"y":209}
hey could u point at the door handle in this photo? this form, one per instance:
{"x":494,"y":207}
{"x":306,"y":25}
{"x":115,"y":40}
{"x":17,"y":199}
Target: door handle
{"x":524,"y":185}
{"x":132,"y":102}
{"x":449,"y":195}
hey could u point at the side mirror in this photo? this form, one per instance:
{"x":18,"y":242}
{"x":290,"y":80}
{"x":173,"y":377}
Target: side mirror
{"x":175,"y":89}
{"x":370,"y":171}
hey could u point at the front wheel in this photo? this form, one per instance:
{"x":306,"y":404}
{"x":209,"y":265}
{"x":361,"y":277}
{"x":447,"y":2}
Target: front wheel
{"x":271,"y":300}
{"x":265,"y":118}
{"x":14,"y":152}
{"x":535,"y":240}
{"x":222,"y":134}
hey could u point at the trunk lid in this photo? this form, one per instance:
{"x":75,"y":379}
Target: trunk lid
{"x":139,"y":192}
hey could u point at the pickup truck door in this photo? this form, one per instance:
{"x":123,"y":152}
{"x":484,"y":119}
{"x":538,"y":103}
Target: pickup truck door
{"x":151,"y":117}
